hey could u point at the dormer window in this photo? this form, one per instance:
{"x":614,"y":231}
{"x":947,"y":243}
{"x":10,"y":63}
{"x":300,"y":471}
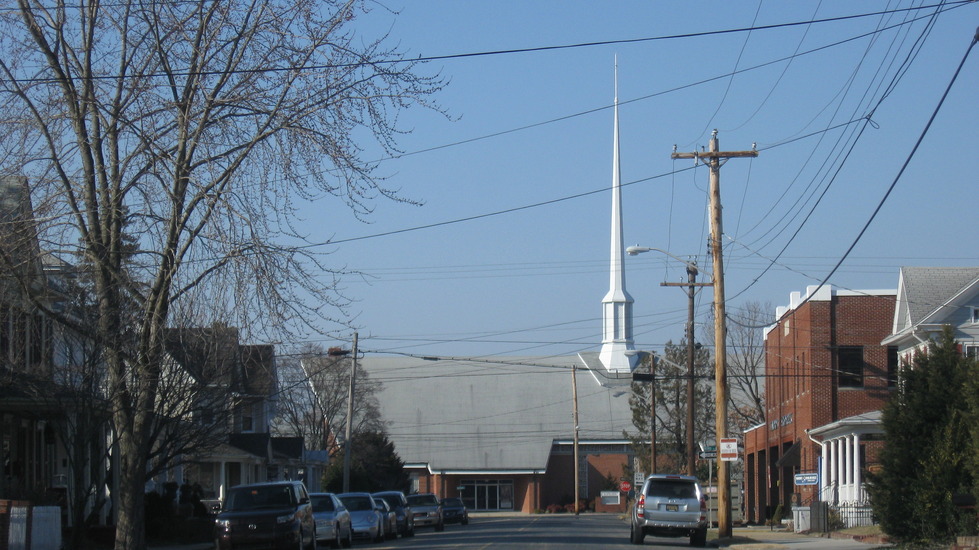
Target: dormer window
{"x":975,"y":315}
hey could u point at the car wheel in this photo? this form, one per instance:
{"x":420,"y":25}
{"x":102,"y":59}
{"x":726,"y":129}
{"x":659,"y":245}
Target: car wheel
{"x":349,"y":541}
{"x":335,"y":543}
{"x":699,"y":538}
{"x":465,"y":520}
{"x":380,"y":533}
{"x":440,"y":526}
{"x":636,"y":536}
{"x":302,"y":543}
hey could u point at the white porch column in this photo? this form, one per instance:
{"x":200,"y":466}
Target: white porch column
{"x":831,"y":467}
{"x":840,"y":470}
{"x":857,"y":481}
{"x":222,"y":490}
{"x":847,"y":472}
{"x":824,"y":477}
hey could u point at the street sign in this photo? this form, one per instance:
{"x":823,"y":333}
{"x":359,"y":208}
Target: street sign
{"x":807,"y":479}
{"x":729,"y":449}
{"x":638,"y":478}
{"x":707,"y":455}
{"x":625,"y":486}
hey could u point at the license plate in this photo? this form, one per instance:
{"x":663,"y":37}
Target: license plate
{"x":672,"y":507}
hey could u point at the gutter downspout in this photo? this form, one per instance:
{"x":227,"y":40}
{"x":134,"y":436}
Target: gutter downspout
{"x":822,"y":463}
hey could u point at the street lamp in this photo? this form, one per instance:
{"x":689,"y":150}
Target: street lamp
{"x":691,"y":348}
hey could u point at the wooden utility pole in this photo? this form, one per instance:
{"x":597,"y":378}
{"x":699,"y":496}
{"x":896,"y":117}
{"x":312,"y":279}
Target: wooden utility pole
{"x":691,"y":285}
{"x":652,"y":414}
{"x":574,"y":399}
{"x":713,"y":159}
{"x":350,"y":419}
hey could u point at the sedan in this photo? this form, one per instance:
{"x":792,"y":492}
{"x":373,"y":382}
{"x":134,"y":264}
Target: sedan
{"x":333,"y":525}
{"x":366,"y":521}
{"x":454,"y":511}
{"x":390,"y":519}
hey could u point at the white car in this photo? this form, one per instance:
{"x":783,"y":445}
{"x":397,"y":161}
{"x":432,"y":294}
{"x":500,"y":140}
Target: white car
{"x":364,"y":517}
{"x":333,"y":525}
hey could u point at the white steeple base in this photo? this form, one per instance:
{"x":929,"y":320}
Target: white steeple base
{"x":614,"y":358}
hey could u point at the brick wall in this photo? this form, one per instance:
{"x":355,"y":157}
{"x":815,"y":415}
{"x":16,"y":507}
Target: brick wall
{"x":802,"y":389}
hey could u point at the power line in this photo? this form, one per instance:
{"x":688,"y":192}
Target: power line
{"x":420,"y":59}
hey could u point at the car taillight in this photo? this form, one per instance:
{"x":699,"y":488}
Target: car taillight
{"x":703,"y":509}
{"x":641,"y":506}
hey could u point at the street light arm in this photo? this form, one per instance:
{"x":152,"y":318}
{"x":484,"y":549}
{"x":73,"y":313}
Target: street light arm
{"x":636,"y":250}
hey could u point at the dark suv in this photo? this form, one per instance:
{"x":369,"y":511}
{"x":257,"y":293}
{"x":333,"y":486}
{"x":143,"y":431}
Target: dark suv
{"x":670,"y":506}
{"x":266,"y":515}
{"x":397,"y":501}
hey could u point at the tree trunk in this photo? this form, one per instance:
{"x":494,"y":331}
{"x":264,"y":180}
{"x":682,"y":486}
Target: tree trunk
{"x":128,"y":504}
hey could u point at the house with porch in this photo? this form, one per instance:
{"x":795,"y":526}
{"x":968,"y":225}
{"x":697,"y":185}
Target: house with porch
{"x":231,"y":414}
{"x":928,"y":299}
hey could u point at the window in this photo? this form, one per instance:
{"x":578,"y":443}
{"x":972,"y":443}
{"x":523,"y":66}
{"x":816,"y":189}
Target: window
{"x":850,"y":364}
{"x":975,"y":315}
{"x":892,"y":366}
{"x":972,"y":351}
{"x":246,"y":423}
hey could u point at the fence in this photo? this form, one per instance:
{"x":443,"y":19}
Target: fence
{"x":26,"y":527}
{"x":824,"y":518}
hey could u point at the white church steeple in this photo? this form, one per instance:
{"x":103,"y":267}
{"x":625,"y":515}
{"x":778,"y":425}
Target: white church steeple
{"x":617,"y":304}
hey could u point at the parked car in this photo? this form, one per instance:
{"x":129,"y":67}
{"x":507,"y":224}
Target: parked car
{"x":454,"y":511}
{"x":364,"y":517}
{"x":333,"y":524}
{"x":269,"y":515}
{"x":670,"y":506}
{"x":388,"y":518}
{"x":397,"y":501}
{"x":427,"y":510}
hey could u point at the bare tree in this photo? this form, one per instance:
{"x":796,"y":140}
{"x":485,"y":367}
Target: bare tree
{"x":313,"y":399}
{"x":746,"y":363}
{"x":671,"y":407}
{"x":190,"y":128}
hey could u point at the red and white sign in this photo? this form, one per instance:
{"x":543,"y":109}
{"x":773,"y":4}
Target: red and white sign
{"x":624,"y":486}
{"x":729,"y":449}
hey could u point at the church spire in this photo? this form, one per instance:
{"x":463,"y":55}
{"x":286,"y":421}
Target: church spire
{"x":617,"y":304}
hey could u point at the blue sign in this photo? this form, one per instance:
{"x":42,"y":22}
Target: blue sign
{"x":807,"y":479}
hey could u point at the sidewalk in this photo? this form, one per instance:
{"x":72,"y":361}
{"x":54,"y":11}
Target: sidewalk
{"x":765,"y":538}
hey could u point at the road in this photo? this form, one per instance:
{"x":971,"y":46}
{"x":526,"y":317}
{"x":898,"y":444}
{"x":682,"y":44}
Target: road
{"x":585,"y":532}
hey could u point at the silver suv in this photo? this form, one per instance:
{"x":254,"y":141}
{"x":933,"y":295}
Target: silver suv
{"x":670,"y":506}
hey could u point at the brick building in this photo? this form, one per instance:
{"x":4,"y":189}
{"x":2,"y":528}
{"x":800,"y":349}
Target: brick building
{"x":825,"y":370}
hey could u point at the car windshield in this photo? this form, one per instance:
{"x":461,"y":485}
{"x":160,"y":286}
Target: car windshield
{"x":358,"y":503}
{"x":253,"y":498}
{"x":323,"y":504}
{"x":454,"y":502}
{"x":671,"y":489}
{"x":392,"y":500}
{"x":423,"y":500}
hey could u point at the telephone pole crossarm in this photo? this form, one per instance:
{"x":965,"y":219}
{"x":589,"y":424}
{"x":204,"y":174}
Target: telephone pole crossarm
{"x":714,"y":154}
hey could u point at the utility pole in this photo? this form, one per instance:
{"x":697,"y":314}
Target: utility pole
{"x":691,"y":285}
{"x":574,"y":401}
{"x":350,"y":420}
{"x":652,"y":413}
{"x":713,"y":158}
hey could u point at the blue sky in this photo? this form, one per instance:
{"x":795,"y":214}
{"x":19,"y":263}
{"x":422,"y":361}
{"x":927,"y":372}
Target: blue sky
{"x":530,"y":281}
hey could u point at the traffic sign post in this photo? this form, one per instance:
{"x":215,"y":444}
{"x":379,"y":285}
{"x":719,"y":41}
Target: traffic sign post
{"x":729,"y":449}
